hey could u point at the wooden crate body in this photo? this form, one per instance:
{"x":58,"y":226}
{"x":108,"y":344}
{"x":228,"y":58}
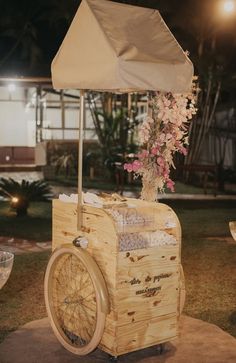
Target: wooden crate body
{"x":143,"y":284}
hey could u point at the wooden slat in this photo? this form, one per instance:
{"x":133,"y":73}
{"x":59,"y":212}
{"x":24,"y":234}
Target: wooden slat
{"x":143,"y":295}
{"x":108,"y":342}
{"x":146,"y":333}
{"x":154,"y":308}
{"x":154,"y":256}
{"x":151,"y":275}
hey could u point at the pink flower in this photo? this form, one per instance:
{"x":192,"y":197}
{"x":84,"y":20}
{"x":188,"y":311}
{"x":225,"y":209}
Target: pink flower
{"x":166,"y":102}
{"x":160,"y":170}
{"x":170,"y":185}
{"x":144,"y":154}
{"x":168,"y":136}
{"x":149,"y":120}
{"x":137,"y":165}
{"x":166,"y":172}
{"x":177,"y":144}
{"x":161,"y":161}
{"x":161,"y":136}
{"x":183,"y":151}
{"x":128,"y":167}
{"x":155,"y":150}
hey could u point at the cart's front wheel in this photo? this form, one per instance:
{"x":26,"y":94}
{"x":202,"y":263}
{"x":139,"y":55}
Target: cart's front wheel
{"x":76,"y":299}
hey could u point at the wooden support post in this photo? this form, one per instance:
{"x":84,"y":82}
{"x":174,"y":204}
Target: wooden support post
{"x":80,"y":158}
{"x":62,"y":114}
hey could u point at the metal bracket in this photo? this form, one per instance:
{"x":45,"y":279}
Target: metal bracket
{"x":81,"y":242}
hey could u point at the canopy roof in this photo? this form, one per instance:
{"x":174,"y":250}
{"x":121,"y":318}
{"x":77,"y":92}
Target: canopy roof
{"x":117,"y":47}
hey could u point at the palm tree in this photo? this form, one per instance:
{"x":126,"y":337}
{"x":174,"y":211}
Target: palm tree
{"x":113,"y":124}
{"x":23,"y":193}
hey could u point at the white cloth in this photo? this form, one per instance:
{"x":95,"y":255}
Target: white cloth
{"x":88,"y":198}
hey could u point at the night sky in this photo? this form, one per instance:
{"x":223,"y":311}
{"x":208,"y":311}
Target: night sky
{"x":32,"y":31}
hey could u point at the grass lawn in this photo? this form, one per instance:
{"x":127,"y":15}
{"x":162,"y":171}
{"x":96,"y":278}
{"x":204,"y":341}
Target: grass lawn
{"x":209,"y":265}
{"x":36,"y":226}
{"x":21,"y":299}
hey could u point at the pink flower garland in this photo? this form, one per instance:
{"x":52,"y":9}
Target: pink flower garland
{"x":161,"y":134}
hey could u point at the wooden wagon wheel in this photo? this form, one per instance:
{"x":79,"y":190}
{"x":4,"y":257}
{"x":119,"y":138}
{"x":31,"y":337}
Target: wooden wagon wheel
{"x":76,"y":299}
{"x":182,"y":290}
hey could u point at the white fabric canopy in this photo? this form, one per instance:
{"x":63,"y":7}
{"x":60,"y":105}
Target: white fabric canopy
{"x":117,"y":47}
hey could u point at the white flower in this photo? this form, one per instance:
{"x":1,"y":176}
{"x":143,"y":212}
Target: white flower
{"x":166,"y":131}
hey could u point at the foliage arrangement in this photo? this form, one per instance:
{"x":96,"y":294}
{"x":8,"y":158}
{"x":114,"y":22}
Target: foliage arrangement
{"x":163,"y":132}
{"x":21,"y":194}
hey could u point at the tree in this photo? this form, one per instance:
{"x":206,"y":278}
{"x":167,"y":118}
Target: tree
{"x":21,"y":194}
{"x":209,"y":38}
{"x":221,"y":132}
{"x":19,"y":34}
{"x":113,"y":122}
{"x":31,"y":32}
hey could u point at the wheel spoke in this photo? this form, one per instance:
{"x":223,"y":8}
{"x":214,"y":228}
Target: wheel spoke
{"x":88,"y":317}
{"x":73,"y":302}
{"x":84,"y":280}
{"x":86,"y":297}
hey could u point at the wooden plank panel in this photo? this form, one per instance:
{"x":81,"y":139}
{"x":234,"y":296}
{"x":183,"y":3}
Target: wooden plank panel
{"x":148,"y":276}
{"x":145,"y":294}
{"x":146,"y":333}
{"x":108,"y":341}
{"x":133,"y":280}
{"x":154,"y":308}
{"x":154,"y":256}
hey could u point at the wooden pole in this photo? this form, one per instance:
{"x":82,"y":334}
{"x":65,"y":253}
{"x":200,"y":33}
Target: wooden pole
{"x":80,"y":158}
{"x":62,"y":114}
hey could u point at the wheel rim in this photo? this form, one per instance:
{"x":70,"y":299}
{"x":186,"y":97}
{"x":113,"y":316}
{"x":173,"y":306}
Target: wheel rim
{"x":72,"y":301}
{"x":74,"y":304}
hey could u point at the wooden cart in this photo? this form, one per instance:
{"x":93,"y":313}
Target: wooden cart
{"x":125,"y":291}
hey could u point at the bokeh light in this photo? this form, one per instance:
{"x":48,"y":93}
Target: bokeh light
{"x":229,"y":6}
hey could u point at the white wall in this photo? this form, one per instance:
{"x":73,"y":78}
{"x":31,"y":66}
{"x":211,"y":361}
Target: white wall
{"x":18,"y":119}
{"x":17,"y":126}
